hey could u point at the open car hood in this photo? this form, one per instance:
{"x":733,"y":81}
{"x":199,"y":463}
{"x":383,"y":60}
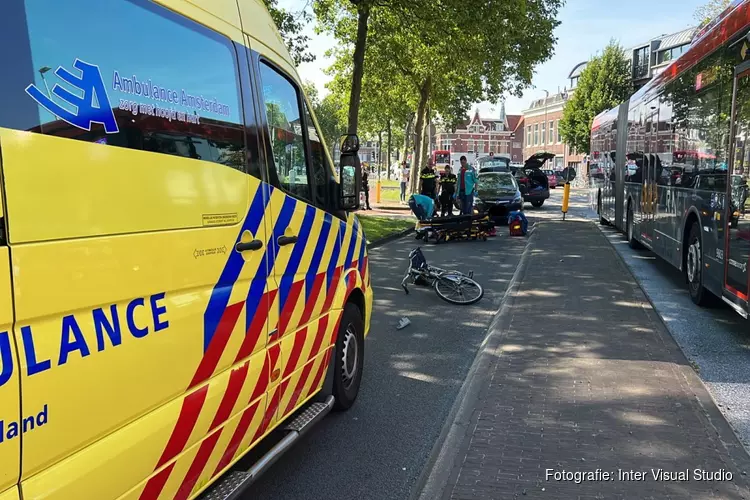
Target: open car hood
{"x":538,"y":159}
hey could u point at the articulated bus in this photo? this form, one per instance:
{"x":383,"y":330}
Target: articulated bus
{"x":672,"y":163}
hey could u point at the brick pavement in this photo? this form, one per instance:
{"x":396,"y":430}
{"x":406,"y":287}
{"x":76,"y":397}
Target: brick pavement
{"x":584,"y":377}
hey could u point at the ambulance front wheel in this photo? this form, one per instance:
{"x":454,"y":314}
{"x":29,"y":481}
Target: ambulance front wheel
{"x":349,"y":356}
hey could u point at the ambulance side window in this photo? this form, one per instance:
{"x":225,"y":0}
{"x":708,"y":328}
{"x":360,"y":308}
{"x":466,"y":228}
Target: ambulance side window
{"x":151,"y":94}
{"x":322,"y":171}
{"x":289,"y":169}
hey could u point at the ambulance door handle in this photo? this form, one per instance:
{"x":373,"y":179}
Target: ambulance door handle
{"x":252,"y":245}
{"x":287,"y":240}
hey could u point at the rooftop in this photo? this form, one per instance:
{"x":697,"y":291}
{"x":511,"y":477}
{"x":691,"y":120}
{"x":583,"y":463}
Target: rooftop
{"x":676,"y":39}
{"x":668,"y":41}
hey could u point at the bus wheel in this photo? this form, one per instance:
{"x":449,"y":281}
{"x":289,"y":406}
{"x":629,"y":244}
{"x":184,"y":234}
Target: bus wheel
{"x":694,"y":268}
{"x":349,"y":358}
{"x":630,"y":230}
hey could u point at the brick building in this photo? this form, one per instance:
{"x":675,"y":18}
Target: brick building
{"x":542,"y":126}
{"x":478,"y":137}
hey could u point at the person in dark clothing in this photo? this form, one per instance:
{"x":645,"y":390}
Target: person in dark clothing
{"x":428,"y":182}
{"x":447,"y":191}
{"x":366,"y":187}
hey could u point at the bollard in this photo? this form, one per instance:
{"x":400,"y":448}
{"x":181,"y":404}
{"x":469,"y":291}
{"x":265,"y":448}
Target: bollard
{"x":377,"y":191}
{"x":566,"y":197}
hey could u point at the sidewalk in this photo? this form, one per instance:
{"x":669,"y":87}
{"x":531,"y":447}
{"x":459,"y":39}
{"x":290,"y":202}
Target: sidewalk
{"x":580,"y":375}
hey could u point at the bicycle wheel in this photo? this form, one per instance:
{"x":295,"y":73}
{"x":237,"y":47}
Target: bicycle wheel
{"x":458,"y":289}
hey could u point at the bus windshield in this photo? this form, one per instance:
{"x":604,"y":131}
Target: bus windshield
{"x":442,"y":158}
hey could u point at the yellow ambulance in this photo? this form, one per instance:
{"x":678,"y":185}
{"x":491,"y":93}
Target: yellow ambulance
{"x":180,"y":272}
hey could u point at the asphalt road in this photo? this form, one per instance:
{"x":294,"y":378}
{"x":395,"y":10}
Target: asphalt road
{"x":377,"y":449}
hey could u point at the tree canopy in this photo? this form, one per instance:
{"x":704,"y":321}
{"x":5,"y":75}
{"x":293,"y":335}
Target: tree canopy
{"x":437,"y":58}
{"x":604,"y":83}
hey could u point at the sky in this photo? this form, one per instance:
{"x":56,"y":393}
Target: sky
{"x":586,"y":26}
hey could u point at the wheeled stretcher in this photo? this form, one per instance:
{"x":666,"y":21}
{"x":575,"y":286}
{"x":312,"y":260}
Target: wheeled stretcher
{"x":459,"y":227}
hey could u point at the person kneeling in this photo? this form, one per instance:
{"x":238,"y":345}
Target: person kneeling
{"x":422,"y":206}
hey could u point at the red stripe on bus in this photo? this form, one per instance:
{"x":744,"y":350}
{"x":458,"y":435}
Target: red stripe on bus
{"x":737,"y":292}
{"x":219,"y":342}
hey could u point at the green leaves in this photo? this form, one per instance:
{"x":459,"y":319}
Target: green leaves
{"x":603,"y":84}
{"x":290,"y":26}
{"x":471,"y":50}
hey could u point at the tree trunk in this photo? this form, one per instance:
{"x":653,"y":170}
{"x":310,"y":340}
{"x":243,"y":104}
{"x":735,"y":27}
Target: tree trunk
{"x":363,"y":14}
{"x":419,"y":142}
{"x":380,"y":152}
{"x":388,"y":158}
{"x":407,"y":133}
{"x":427,"y":142}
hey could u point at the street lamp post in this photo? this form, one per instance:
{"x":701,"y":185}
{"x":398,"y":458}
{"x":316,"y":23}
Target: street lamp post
{"x":546,"y":134}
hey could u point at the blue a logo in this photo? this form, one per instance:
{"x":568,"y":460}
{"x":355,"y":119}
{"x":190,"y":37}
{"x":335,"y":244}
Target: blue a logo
{"x":93,"y":107}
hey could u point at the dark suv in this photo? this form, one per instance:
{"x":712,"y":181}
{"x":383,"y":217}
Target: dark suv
{"x":532,"y":181}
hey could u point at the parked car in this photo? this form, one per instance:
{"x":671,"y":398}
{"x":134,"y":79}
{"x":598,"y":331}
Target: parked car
{"x":551,"y":178}
{"x":532,"y":181}
{"x":498,"y":194}
{"x":496,"y":163}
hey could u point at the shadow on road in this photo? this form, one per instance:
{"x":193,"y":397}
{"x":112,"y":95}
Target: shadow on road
{"x":377,"y":449}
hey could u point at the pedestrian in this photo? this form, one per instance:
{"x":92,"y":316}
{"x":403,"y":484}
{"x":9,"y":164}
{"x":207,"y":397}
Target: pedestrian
{"x":405,"y":175}
{"x":366,"y":187}
{"x":447,"y":191}
{"x":466,"y":187}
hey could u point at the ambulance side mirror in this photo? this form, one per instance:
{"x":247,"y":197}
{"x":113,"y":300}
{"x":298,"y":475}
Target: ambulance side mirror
{"x":350,"y":173}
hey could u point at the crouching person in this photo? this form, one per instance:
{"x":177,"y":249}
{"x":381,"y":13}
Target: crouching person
{"x":422,"y":206}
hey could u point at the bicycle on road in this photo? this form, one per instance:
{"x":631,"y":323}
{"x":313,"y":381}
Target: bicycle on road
{"x":452,"y":286}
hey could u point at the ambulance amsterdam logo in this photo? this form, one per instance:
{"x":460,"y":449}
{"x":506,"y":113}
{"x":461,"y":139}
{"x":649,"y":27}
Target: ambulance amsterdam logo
{"x":92,"y":107}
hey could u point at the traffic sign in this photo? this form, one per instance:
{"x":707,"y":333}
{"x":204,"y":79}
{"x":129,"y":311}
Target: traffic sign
{"x":569,"y":174}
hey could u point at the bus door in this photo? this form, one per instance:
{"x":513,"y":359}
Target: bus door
{"x":648,"y":195}
{"x":737,"y":217}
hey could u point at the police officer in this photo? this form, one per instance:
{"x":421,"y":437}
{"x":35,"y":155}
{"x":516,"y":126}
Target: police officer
{"x":447,"y":191}
{"x":428,"y":182}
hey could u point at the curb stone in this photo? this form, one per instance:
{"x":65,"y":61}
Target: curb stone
{"x":436,"y":473}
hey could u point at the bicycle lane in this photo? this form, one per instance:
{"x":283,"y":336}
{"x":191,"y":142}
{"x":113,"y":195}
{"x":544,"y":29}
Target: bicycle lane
{"x":412,"y":377}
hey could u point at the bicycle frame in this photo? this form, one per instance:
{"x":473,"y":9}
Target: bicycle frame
{"x":429,"y":273}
